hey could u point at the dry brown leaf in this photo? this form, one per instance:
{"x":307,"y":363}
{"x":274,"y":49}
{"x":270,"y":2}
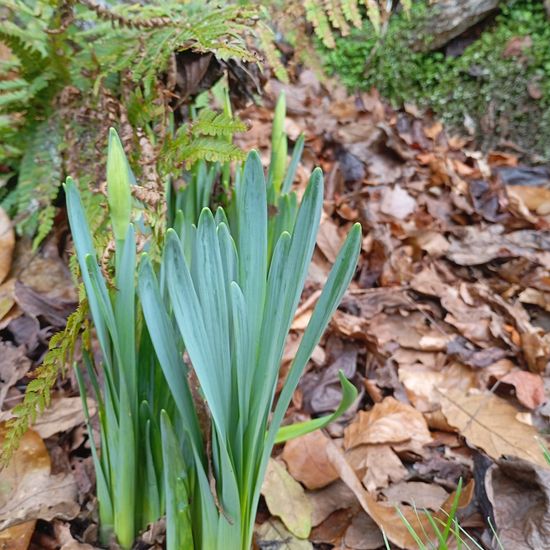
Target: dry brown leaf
{"x":490,"y":423}
{"x":7,"y":244}
{"x":388,"y":422}
{"x":376,"y":465}
{"x":520,"y":494}
{"x":336,"y":496}
{"x":63,"y":414}
{"x":28,"y":491}
{"x":432,"y":242}
{"x":14,"y":364}
{"x":423,"y":384}
{"x":417,"y":494}
{"x":408,"y":331}
{"x":7,"y":297}
{"x":536,"y":199}
{"x":499,"y":158}
{"x":286,"y":499}
{"x":386,"y":516}
{"x":17,"y":537}
{"x":536,"y":297}
{"x":363,"y":534}
{"x":434,"y":130}
{"x":273,"y":533}
{"x":481,"y":246}
{"x":305,"y":311}
{"x":332,"y":530}
{"x":397,"y":203}
{"x":63,"y":535}
{"x":529,"y":387}
{"x":328,"y":239}
{"x":307,"y":461}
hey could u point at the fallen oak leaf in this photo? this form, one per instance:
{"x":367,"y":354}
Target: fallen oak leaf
{"x":422,"y":383}
{"x":397,"y":202}
{"x":332,"y":530}
{"x":286,"y":499}
{"x":7,"y":297}
{"x":489,"y":423}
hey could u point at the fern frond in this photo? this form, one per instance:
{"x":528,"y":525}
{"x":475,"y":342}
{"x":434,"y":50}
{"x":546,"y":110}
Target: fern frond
{"x":39,"y":178}
{"x":38,"y":393}
{"x":212,"y":150}
{"x":407,"y":6}
{"x":146,"y":51}
{"x":210,"y":123}
{"x":266,"y":37}
{"x":336,"y":16}
{"x":351,"y":12}
{"x":184,"y":152}
{"x":205,"y":138}
{"x":44,"y":224}
{"x":316,"y":15}
{"x":374,"y":15}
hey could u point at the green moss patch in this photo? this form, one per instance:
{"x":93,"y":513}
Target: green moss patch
{"x":500,"y":83}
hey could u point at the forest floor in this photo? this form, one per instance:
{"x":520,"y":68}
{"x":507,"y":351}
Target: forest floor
{"x":444,"y":331}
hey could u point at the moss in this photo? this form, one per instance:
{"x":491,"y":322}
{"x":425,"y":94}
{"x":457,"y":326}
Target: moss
{"x":483,"y":84}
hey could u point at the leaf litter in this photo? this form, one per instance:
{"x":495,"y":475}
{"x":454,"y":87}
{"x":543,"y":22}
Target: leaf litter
{"x":444,"y":332}
{"x":444,"y":329}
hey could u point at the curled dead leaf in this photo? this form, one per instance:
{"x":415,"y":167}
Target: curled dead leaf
{"x":389,"y":422}
{"x":529,"y":387}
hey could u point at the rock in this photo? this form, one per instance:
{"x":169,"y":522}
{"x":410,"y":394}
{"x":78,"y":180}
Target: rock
{"x":447,"y":19}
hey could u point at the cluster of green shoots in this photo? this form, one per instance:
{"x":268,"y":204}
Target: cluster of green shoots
{"x":192,"y":342}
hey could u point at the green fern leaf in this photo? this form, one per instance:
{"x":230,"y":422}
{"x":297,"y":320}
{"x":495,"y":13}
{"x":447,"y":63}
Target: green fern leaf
{"x":210,"y":123}
{"x":38,"y":392}
{"x":336,"y":16}
{"x":351,"y":12}
{"x":373,"y":13}
{"x":39,"y":178}
{"x":315,"y":14}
